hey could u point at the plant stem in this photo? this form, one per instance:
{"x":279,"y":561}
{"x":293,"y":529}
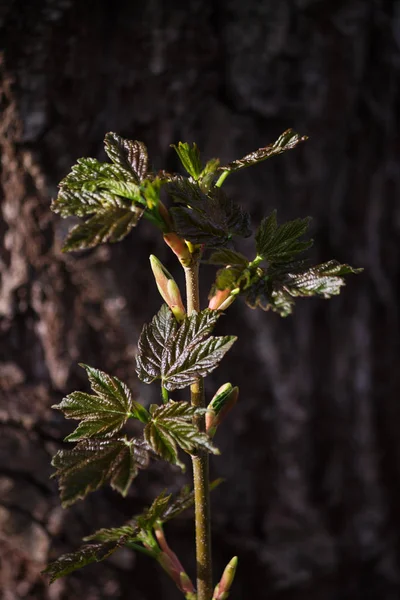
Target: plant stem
{"x":200,"y":461}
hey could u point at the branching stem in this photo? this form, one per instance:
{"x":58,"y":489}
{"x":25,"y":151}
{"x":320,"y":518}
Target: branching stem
{"x":200,"y":461}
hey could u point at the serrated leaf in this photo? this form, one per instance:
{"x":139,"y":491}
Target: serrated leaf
{"x":225,"y":256}
{"x":323,"y":280}
{"x":208,"y":174}
{"x":93,"y":463}
{"x":90,"y":553}
{"x":179,"y":355}
{"x":88,"y":174}
{"x":287,"y":141}
{"x":190,"y":158}
{"x":171,"y":427}
{"x":103,"y":414}
{"x":131,"y":155}
{"x":152,"y":342}
{"x":130,"y":532}
{"x":211,"y":219}
{"x":107,"y":225}
{"x":277,"y":290}
{"x":281,"y":243}
{"x":155,"y":512}
{"x":192,"y":352}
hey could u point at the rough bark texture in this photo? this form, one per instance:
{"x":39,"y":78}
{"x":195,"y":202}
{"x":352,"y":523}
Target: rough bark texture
{"x":312,"y":455}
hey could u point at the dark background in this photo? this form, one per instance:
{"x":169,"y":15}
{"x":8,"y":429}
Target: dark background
{"x":312,"y":453}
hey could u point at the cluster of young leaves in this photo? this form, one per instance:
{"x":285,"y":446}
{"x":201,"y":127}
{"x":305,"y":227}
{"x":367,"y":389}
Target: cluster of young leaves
{"x":205,"y":214}
{"x":178,"y":354}
{"x":102,"y":456}
{"x":283,"y":277}
{"x":136,"y":534}
{"x":111,"y":197}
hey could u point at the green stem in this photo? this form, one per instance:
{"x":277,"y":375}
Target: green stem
{"x":222,"y":178}
{"x":200,"y":461}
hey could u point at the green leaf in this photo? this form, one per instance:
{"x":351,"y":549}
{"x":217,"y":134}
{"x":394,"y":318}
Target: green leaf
{"x":190,"y":158}
{"x":276,"y":291}
{"x":90,"y":553}
{"x":154,"y":513}
{"x":103,"y":414}
{"x":107,"y":225}
{"x":93,"y":463}
{"x":130,"y":155}
{"x":184,"y":500}
{"x":152,"y":342}
{"x":287,"y":141}
{"x":171,"y":426}
{"x":90,"y":175}
{"x":225,"y":256}
{"x":208,"y":174}
{"x":129,"y":532}
{"x":211,"y":219}
{"x":281,"y":244}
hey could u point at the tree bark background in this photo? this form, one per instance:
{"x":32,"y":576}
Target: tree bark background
{"x":312,"y":453}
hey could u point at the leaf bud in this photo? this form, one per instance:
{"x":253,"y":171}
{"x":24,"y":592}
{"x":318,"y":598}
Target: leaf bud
{"x":222,"y":402}
{"x":179,"y":247}
{"x":168,"y":288}
{"x":222,"y":589}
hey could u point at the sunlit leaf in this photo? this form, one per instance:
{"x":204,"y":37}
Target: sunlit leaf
{"x":190,"y":158}
{"x":152,"y":343}
{"x":93,"y":463}
{"x":131,"y":155}
{"x":277,"y":290}
{"x":287,"y":141}
{"x":108,"y":225}
{"x":90,"y":553}
{"x":103,"y":414}
{"x":171,"y":426}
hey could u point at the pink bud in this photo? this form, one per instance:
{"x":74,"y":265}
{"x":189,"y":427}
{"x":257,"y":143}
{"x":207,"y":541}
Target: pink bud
{"x":179,"y":247}
{"x":168,"y":288}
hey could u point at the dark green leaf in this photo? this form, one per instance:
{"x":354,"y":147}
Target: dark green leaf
{"x":103,"y":414}
{"x":192,"y":353}
{"x":211,"y":219}
{"x":93,"y":463}
{"x":281,"y":244}
{"x":152,"y":342}
{"x":171,"y":426}
{"x":225,"y":256}
{"x":190,"y":158}
{"x":130,"y":155}
{"x":86,"y":555}
{"x":287,"y":141}
{"x":155,"y":512}
{"x":129,"y":532}
{"x":107,"y":225}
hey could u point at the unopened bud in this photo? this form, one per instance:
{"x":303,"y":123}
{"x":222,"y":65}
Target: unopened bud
{"x":164,"y":213}
{"x":179,"y":247}
{"x":222,"y":589}
{"x":186,"y":585}
{"x":168,"y":288}
{"x":224,"y":399}
{"x":219,"y":297}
